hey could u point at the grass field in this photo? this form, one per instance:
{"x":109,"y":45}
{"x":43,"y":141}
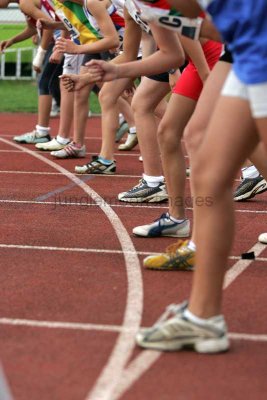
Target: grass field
{"x":7,"y":31}
{"x":21,"y":96}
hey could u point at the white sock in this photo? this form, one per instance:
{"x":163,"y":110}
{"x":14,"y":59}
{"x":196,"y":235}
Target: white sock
{"x":42,"y":130}
{"x":194,"y":318}
{"x":132,"y":130}
{"x":121,"y":118}
{"x":250,"y":172}
{"x":62,"y":140}
{"x":191,"y":245}
{"x":153,"y":181}
{"x":178,"y":221}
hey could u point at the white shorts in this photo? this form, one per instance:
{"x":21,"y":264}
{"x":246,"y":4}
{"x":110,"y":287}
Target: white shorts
{"x":255,"y":94}
{"x":72,"y":63}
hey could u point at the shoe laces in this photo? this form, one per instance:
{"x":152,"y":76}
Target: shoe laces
{"x":31,"y":135}
{"x":172,"y":248}
{"x":141,"y":183}
{"x":163,"y":216}
{"x":171,"y":311}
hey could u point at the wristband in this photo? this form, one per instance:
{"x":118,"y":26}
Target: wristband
{"x":39,"y":57}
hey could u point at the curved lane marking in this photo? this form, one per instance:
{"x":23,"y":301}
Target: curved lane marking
{"x":110,"y":375}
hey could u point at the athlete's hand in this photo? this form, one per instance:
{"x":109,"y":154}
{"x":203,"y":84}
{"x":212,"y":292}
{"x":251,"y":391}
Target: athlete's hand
{"x":55,"y":57}
{"x":43,"y":23}
{"x":102,"y":71}
{"x":73,"y":83}
{"x":5,"y":44}
{"x":66,"y":46}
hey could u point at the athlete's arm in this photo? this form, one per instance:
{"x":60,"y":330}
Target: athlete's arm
{"x":43,"y":23}
{"x":29,"y":7}
{"x":194,"y":50}
{"x":170,"y":55}
{"x":131,"y":40}
{"x":110,"y":38}
{"x":28,"y":32}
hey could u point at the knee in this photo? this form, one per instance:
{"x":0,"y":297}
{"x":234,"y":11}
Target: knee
{"x":160,"y":110}
{"x":81,"y":96}
{"x":208,"y":177}
{"x":193,"y":137}
{"x":105,"y":98}
{"x":167,"y":137}
{"x":139,"y":105}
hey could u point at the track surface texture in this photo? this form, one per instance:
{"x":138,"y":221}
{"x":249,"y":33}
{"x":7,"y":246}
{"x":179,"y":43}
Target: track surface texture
{"x":74,"y":292}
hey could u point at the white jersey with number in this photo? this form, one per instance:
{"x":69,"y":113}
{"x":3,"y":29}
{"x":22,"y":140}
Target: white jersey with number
{"x":135,"y":12}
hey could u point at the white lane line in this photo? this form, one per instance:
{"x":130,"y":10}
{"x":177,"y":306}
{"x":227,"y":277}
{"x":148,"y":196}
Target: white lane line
{"x":5,"y":392}
{"x":94,"y":250}
{"x":72,"y":249}
{"x":241,"y":265}
{"x":59,"y":173}
{"x":120,"y":154}
{"x":146,"y":359}
{"x":85,"y":326}
{"x":58,"y":202}
{"x":63,"y":325}
{"x":125,"y":343}
{"x":248,"y":336}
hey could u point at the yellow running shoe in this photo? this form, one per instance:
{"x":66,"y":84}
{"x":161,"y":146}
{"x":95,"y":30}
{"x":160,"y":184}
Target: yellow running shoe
{"x":178,"y":257}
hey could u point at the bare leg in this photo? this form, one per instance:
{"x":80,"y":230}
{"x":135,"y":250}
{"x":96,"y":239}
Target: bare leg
{"x":195,"y":129}
{"x":146,"y":99}
{"x":44,"y":108}
{"x":170,"y":132}
{"x":230,"y":136}
{"x":81,"y":110}
{"x":66,"y":112}
{"x":259,"y":159}
{"x":126,"y":109}
{"x":108,"y":97}
{"x":262,"y":129}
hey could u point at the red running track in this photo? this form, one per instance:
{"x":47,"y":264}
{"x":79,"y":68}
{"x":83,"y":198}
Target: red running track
{"x":74,"y":291}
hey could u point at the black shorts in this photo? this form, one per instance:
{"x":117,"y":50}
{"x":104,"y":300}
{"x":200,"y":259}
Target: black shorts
{"x":227,"y":56}
{"x":164,"y":77}
{"x":106,"y":56}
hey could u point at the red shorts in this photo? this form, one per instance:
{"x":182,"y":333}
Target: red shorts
{"x":190,"y":84}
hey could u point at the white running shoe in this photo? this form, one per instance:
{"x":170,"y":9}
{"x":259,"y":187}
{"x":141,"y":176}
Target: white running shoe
{"x":130,"y":143}
{"x":263,"y":238}
{"x":142,"y":193}
{"x":164,"y":226}
{"x":96,"y":167}
{"x":53,"y":145}
{"x":32,"y":138}
{"x":70,"y":151}
{"x":178,"y":332}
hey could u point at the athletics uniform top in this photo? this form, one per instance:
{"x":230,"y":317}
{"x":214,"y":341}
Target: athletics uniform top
{"x":76,"y":21}
{"x":160,"y":13}
{"x":115,"y":12}
{"x":46,"y":8}
{"x":243,"y":25}
{"x":135,"y":12}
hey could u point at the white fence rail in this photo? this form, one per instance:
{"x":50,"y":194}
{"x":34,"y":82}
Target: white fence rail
{"x":18,"y":70}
